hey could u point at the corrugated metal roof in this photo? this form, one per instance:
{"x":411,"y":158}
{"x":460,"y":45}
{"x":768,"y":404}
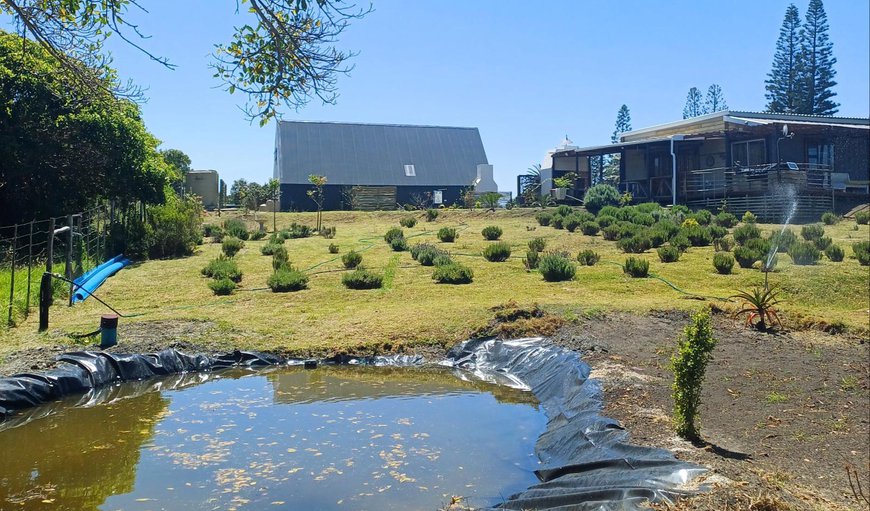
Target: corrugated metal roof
{"x":375,"y":154}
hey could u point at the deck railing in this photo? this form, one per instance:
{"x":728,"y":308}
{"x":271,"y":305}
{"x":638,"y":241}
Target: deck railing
{"x":755,"y":180}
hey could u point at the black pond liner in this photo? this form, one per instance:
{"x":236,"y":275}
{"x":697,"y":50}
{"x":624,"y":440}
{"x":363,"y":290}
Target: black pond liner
{"x":586,"y":461}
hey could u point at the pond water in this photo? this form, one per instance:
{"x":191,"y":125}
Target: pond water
{"x":334,"y":438}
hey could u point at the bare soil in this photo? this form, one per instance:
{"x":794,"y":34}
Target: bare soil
{"x":784,"y":415}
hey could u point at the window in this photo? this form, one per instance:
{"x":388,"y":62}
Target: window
{"x":409,"y":171}
{"x":820,"y":153}
{"x":751,"y":152}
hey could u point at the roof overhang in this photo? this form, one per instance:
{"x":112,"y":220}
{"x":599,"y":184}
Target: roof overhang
{"x":619,"y":147}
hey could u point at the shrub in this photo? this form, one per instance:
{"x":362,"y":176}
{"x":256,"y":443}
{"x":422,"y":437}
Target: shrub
{"x":724,"y":244}
{"x":558,"y":222}
{"x":668,"y":227}
{"x":287,"y":279}
{"x":749,"y":218}
{"x":600,"y":196}
{"x":746,"y":256}
{"x":231,"y":246}
{"x":668,"y":254}
{"x":862,"y":217}
{"x":680,"y":242}
{"x":649,"y":207}
{"x":537,"y":244}
{"x":606,"y":220}
{"x":636,"y":267}
{"x":427,"y":256}
{"x":222,"y":287}
{"x":626,"y":213}
{"x":531,"y":260}
{"x":236,"y":228}
{"x":588,"y":257}
{"x":257,"y":235}
{"x":573,"y":222}
{"x":726,"y":219}
{"x":333,"y":248}
{"x":703,"y":217}
{"x":362,"y":279}
{"x":611,"y":232}
{"x":564,"y":211}
{"x":823,"y":243}
{"x":351,"y":259}
{"x":442,"y":259}
{"x":328,"y":232}
{"x":269,"y":248}
{"x":723,"y":262}
{"x":173,"y":229}
{"x":544,"y":218}
{"x":657,"y":237}
{"x":453,"y":273}
{"x":628,"y":229}
{"x":804,"y":253}
{"x":447,"y":234}
{"x":694,"y":352}
{"x":862,"y":252}
{"x":698,"y":236}
{"x":607,"y":211}
{"x":497,"y":252}
{"x":491,"y":232}
{"x":829,"y":218}
{"x":717,"y":232}
{"x":393,"y":233}
{"x":812,"y":232}
{"x":556,"y":267}
{"x":634,"y":244}
{"x":217,"y":235}
{"x":746,"y":232}
{"x":689,"y":222}
{"x":279,"y":258}
{"x":761,"y":246}
{"x":835,"y":253}
{"x":782,"y":239}
{"x":408,"y":221}
{"x":222,"y":267}
{"x":399,"y":244}
{"x":208,"y":230}
{"x":590,"y":228}
{"x":431,"y":214}
{"x":297,"y":231}
{"x":644,"y":219}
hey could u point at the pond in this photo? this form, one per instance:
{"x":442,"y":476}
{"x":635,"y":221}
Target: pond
{"x":333,"y":438}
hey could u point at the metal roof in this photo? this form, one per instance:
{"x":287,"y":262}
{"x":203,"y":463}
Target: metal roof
{"x":376,"y":154}
{"x":763,"y":117}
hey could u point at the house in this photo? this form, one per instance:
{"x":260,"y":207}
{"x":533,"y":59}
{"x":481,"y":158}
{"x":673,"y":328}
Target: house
{"x":378,"y":166}
{"x":748,"y":161}
{"x":205,"y":184}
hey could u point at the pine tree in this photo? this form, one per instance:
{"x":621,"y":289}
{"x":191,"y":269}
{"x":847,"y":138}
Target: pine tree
{"x":623,"y":123}
{"x":715,"y":101}
{"x":818,"y":63}
{"x":693,"y":107}
{"x":784,"y":86}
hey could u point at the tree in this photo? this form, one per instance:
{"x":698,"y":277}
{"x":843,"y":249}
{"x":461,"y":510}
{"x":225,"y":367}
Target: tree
{"x":693,"y":107}
{"x":286,"y":56}
{"x":784,"y":87}
{"x":60,"y":151}
{"x":817,"y":72}
{"x":272,"y":191}
{"x":316,"y":194}
{"x":623,"y":124}
{"x":178,"y":161}
{"x":715,"y":101}
{"x":238,"y":191}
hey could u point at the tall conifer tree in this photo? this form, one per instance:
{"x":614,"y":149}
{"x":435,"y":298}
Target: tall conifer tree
{"x":715,"y":101}
{"x":784,"y":84}
{"x":817,"y":71}
{"x":694,"y":106}
{"x":623,"y":124}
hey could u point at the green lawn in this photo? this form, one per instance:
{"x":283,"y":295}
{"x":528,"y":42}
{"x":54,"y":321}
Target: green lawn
{"x":412,"y":309}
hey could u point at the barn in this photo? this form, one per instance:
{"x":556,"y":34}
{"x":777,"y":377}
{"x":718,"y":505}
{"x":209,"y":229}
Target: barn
{"x":378,"y":166}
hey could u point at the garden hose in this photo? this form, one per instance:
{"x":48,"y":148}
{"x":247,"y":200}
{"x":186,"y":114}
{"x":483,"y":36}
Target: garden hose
{"x":95,"y":297}
{"x":674,"y":287}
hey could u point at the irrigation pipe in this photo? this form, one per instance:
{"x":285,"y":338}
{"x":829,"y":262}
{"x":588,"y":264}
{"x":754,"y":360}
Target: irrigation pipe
{"x":674,"y":287}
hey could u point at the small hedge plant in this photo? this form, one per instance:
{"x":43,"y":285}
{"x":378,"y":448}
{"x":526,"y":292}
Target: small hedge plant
{"x":351,"y":259}
{"x":532,"y":259}
{"x":829,"y":218}
{"x":393,"y":233}
{"x":556,"y":267}
{"x":544,"y":218}
{"x":231,"y":246}
{"x":862,"y":252}
{"x":362,"y":279}
{"x":723,"y":262}
{"x":328,"y":232}
{"x":835,"y":253}
{"x":694,"y":352}
{"x":746,"y":257}
{"x":222,"y":287}
{"x":431,"y":214}
{"x":745,"y":233}
{"x":862,"y":217}
{"x":590,"y":228}
{"x":333,"y":248}
{"x":804,"y":253}
{"x":588,"y":257}
{"x":537,"y":244}
{"x":635,"y":244}
{"x":668,"y":254}
{"x":280,"y":258}
{"x":636,"y":267}
{"x":497,"y":252}
{"x":491,"y":232}
{"x":286,"y":279}
{"x":726,"y":219}
{"x":408,"y":221}
{"x":222,"y":267}
{"x":453,"y":273}
{"x":812,"y":232}
{"x":399,"y":244}
{"x":236,"y":228}
{"x":447,"y":234}
{"x":600,"y":196}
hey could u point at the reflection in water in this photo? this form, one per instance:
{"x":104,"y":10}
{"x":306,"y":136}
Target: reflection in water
{"x":332,"y":438}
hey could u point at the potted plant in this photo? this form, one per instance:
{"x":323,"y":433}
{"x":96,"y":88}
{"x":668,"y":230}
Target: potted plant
{"x":561,"y":185}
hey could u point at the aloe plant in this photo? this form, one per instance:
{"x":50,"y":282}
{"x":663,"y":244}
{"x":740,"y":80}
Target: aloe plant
{"x":758,"y":304}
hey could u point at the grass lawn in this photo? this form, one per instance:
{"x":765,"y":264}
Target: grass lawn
{"x":412,"y":309}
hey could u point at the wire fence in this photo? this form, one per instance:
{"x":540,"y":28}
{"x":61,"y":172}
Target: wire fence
{"x":69,"y":245}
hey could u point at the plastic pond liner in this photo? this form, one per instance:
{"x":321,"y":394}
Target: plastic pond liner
{"x":505,"y":424}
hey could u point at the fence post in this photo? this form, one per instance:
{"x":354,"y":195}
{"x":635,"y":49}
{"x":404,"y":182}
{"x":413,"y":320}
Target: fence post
{"x":29,"y":268}
{"x":45,"y":284}
{"x":12,"y":278}
{"x":68,"y":270}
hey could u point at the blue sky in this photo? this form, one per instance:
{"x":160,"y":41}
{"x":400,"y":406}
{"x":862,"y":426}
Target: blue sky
{"x":525,"y":73}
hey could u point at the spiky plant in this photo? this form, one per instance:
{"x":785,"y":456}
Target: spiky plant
{"x":758,"y":304}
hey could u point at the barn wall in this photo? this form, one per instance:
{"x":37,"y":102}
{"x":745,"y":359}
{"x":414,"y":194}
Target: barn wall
{"x":295,"y":197}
